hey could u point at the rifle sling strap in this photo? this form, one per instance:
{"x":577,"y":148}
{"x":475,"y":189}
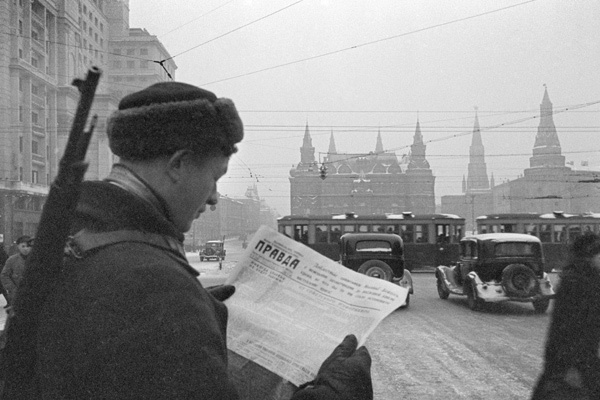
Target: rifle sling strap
{"x":84,"y":241}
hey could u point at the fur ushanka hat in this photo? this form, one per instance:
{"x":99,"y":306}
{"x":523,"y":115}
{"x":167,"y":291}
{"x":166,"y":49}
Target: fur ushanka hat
{"x":170,"y":116}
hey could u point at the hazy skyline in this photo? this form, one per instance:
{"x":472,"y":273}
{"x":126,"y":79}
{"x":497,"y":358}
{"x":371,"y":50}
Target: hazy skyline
{"x":357,"y":68}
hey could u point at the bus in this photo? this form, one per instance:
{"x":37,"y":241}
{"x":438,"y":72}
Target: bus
{"x":556,"y":230}
{"x":429,"y":239}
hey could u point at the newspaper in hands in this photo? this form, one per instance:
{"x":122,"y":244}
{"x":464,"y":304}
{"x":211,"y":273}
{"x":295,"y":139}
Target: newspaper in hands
{"x":293,"y":306}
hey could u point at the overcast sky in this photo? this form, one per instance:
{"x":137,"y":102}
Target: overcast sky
{"x":355,"y":67}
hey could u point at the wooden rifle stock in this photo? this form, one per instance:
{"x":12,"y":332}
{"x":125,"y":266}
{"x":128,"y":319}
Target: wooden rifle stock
{"x":45,"y":260}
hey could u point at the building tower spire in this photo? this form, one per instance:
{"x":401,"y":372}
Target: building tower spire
{"x":379,"y":145}
{"x":332,"y":149}
{"x":477,"y":178}
{"x":546,"y":150}
{"x":417,"y":151}
{"x":307,"y":151}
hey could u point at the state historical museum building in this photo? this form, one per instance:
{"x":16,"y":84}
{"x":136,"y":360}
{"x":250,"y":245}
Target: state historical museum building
{"x":373,"y":183}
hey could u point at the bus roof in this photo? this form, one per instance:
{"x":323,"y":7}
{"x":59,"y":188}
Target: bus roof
{"x":382,"y":217}
{"x":506,"y":237}
{"x":556,"y":215}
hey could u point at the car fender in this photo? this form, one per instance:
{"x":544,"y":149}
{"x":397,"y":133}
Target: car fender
{"x":406,"y":281}
{"x":446,"y":275}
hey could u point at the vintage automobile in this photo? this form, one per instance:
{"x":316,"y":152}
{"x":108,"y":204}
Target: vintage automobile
{"x":213,"y":249}
{"x":496,"y":267}
{"x":379,"y":255}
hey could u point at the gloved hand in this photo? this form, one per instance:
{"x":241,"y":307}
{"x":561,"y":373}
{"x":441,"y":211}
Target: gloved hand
{"x":344,"y":375}
{"x":221,"y":292}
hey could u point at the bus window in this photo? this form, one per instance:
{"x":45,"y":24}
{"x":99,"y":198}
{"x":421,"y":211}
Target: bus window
{"x":335,"y":233}
{"x":509,"y":228}
{"x":530,"y":229}
{"x":321,"y":233}
{"x":546,"y":233}
{"x":494,"y":229}
{"x":379,"y":229}
{"x":484,"y":229}
{"x":363,"y":228}
{"x":588,"y":229}
{"x":287,"y":230}
{"x":559,"y":233}
{"x":301,"y":233}
{"x":455,"y":233}
{"x":392,"y":229}
{"x":574,"y":232}
{"x":421,"y":234}
{"x":349,"y":228}
{"x":407,"y":234}
{"x":442,"y":234}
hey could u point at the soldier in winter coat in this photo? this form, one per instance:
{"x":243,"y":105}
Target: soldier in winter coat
{"x":130,"y":318}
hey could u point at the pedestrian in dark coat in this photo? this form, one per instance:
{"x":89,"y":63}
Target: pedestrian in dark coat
{"x":129,"y":318}
{"x":571,"y":365}
{"x":3,"y":258}
{"x":12,"y":273}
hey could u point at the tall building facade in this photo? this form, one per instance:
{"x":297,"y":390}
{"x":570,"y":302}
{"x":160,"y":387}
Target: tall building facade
{"x":44,"y":46}
{"x":548,"y":185}
{"x":376,"y":182}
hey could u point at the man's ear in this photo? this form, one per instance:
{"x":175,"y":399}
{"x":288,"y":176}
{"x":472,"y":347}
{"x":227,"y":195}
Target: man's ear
{"x":175,"y":164}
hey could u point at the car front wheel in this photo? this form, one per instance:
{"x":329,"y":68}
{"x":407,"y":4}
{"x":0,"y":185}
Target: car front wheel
{"x":443,"y":291}
{"x":472,"y":298}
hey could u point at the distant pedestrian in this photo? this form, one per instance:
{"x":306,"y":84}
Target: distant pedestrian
{"x":3,"y":258}
{"x":572,"y":367}
{"x":12,"y":273}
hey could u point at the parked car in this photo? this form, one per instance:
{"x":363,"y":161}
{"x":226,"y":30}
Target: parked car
{"x":379,"y":255}
{"x":497,"y":267}
{"x":213,"y":249}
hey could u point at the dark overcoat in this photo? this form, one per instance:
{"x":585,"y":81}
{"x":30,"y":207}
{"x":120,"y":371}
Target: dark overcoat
{"x":130,"y":320}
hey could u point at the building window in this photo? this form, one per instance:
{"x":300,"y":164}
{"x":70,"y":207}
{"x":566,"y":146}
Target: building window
{"x":101,"y":27}
{"x":34,"y":62}
{"x":143,"y":52}
{"x":117,"y":65}
{"x":116,"y":51}
{"x":144,"y":64}
{"x":20,"y":27}
{"x":21,"y":84}
{"x":21,"y":113}
{"x":34,"y":177}
{"x":34,"y":118}
{"x":35,"y":90}
{"x":20,"y":144}
{"x":131,"y":64}
{"x":130,"y":52}
{"x":20,"y":53}
{"x":34,"y":147}
{"x":20,"y":173}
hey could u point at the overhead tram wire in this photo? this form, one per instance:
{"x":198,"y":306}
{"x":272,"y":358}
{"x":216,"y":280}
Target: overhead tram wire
{"x":364,"y":44}
{"x":236,"y":29}
{"x":196,"y":19}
